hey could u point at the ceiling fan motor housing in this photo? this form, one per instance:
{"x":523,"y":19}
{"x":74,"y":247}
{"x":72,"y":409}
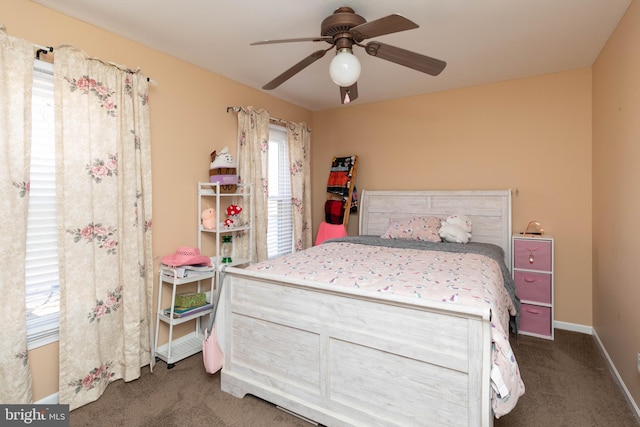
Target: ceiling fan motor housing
{"x":339,"y":24}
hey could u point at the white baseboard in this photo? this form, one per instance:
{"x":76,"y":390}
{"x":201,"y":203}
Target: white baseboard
{"x":574,"y":327}
{"x":617,"y":374}
{"x":590,"y":331}
{"x":52,"y":399}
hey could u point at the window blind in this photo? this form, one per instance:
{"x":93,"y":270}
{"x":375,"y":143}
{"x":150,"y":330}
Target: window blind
{"x":280,"y":226}
{"x":41,"y":269}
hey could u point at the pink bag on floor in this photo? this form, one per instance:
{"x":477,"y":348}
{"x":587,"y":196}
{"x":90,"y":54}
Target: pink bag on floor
{"x":211,"y":353}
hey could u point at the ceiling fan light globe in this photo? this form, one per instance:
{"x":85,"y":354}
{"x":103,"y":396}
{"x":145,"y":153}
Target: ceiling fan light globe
{"x":344,"y":69}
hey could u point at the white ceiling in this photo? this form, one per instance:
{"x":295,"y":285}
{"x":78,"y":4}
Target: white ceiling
{"x":482,"y":41}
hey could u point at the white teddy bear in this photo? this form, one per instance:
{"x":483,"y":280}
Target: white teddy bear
{"x":456,"y":229}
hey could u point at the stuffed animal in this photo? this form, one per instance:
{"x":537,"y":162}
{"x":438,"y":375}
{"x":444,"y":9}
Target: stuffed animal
{"x":456,"y":229}
{"x":209,"y":219}
{"x":461,"y":220}
{"x":229,"y":222}
{"x":453,"y":233}
{"x":223,"y":171}
{"x":222,"y":159}
{"x":233,"y":211}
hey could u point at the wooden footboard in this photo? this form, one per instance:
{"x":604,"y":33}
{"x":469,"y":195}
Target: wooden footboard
{"x":342,"y":358}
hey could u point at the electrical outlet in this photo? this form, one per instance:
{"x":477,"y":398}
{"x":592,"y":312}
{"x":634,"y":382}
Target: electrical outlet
{"x":639,"y":363}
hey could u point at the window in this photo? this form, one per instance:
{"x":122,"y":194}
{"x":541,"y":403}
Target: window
{"x":41,"y":270}
{"x":280,"y":227}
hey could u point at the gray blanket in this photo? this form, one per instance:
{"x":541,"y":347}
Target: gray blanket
{"x":494,"y":252}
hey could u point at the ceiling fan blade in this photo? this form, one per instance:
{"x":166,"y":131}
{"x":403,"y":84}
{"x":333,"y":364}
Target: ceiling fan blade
{"x":301,"y":39}
{"x":348,"y":94}
{"x":295,"y":69}
{"x":379,"y":27}
{"x":405,"y":57}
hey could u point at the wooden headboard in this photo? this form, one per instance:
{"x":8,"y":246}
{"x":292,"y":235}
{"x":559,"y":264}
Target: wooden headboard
{"x":489,"y":211}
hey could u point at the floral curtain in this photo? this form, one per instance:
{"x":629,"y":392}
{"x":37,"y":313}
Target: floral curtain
{"x":299,"y":142}
{"x":253,"y":148}
{"x":16,"y":79}
{"x":104,"y":221}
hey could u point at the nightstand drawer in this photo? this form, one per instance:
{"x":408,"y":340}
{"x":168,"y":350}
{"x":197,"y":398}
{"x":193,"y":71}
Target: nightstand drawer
{"x":535,"y":319}
{"x":532,"y":254}
{"x":533,"y":286}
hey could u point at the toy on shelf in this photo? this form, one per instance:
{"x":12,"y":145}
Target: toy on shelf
{"x":223,"y":171}
{"x":209,"y":219}
{"x":227,"y":249}
{"x":233,"y":211}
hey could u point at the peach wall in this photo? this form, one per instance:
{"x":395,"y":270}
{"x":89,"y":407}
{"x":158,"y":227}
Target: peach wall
{"x":533,"y":135}
{"x":188,"y":121}
{"x":616,"y":197}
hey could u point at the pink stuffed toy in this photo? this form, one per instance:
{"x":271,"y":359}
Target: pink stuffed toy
{"x":209,"y":219}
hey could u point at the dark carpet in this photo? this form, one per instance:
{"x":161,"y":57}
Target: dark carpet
{"x":568,"y":383}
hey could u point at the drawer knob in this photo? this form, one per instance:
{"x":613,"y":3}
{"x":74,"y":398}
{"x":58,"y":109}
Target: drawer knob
{"x":533,"y":311}
{"x":529,"y":279}
{"x":531,"y":257}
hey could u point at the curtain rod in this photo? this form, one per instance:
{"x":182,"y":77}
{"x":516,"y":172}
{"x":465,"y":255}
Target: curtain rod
{"x":42,"y":49}
{"x":271,"y":119}
{"x":49,"y":49}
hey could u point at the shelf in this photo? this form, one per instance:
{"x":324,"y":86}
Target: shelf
{"x":177,"y":349}
{"x":210,"y":191}
{"x":222,"y":229}
{"x":190,"y":279}
{"x":183,"y":319}
{"x":187,"y":345}
{"x":234,"y":262}
{"x":181,"y":348}
{"x":210,"y":197}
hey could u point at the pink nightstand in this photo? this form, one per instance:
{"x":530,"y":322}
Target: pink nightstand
{"x":533,"y":277}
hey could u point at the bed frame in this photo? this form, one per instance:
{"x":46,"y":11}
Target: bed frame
{"x":342,"y":358}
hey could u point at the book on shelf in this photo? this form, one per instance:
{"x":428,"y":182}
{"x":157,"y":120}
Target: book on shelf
{"x":185,"y":270}
{"x":179,"y":312}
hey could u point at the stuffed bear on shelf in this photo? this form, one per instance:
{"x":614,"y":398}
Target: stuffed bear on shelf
{"x":209,"y":219}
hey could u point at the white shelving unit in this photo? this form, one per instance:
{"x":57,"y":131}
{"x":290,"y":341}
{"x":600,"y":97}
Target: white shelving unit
{"x":210,"y":244}
{"x":185,"y":346}
{"x":211,"y":196}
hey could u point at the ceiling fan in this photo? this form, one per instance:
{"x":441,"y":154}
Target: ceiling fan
{"x":343,"y":29}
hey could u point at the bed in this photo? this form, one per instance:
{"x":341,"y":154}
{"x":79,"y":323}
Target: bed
{"x":297,"y":334}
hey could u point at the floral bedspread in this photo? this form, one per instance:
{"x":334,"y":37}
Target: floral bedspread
{"x":456,"y":278}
